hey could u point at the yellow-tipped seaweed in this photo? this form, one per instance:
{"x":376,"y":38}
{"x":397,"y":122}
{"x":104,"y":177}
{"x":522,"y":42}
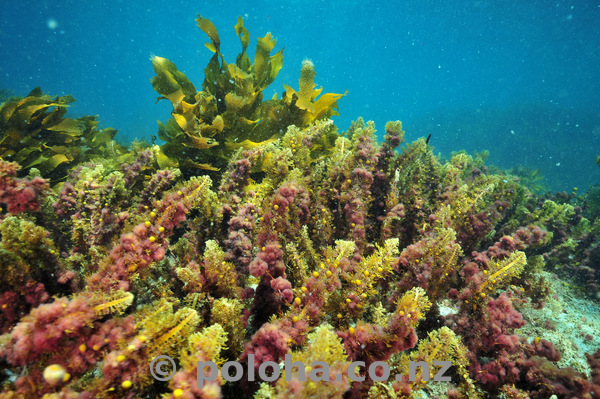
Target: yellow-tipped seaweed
{"x":114,"y":303}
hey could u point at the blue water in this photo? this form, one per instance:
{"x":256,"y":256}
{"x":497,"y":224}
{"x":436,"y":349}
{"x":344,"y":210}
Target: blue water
{"x":519,"y":79}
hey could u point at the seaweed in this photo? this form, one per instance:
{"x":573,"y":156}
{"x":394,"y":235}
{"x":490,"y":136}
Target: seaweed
{"x":35,"y":133}
{"x":229,"y":113}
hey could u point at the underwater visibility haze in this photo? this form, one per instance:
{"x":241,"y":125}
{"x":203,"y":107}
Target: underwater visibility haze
{"x":334,"y":181}
{"x":518,"y":79}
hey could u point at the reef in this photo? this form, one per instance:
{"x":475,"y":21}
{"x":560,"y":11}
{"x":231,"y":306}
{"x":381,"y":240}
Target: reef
{"x":257,"y":233}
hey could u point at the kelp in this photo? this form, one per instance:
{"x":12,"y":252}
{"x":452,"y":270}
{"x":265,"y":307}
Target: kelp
{"x":35,"y":133}
{"x":229,"y":112}
{"x":306,"y":97}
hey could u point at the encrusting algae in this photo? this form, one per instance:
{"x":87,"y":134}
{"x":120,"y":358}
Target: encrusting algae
{"x":258,"y":232}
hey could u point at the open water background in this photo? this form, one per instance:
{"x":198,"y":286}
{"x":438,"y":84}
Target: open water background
{"x":518,"y":78}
